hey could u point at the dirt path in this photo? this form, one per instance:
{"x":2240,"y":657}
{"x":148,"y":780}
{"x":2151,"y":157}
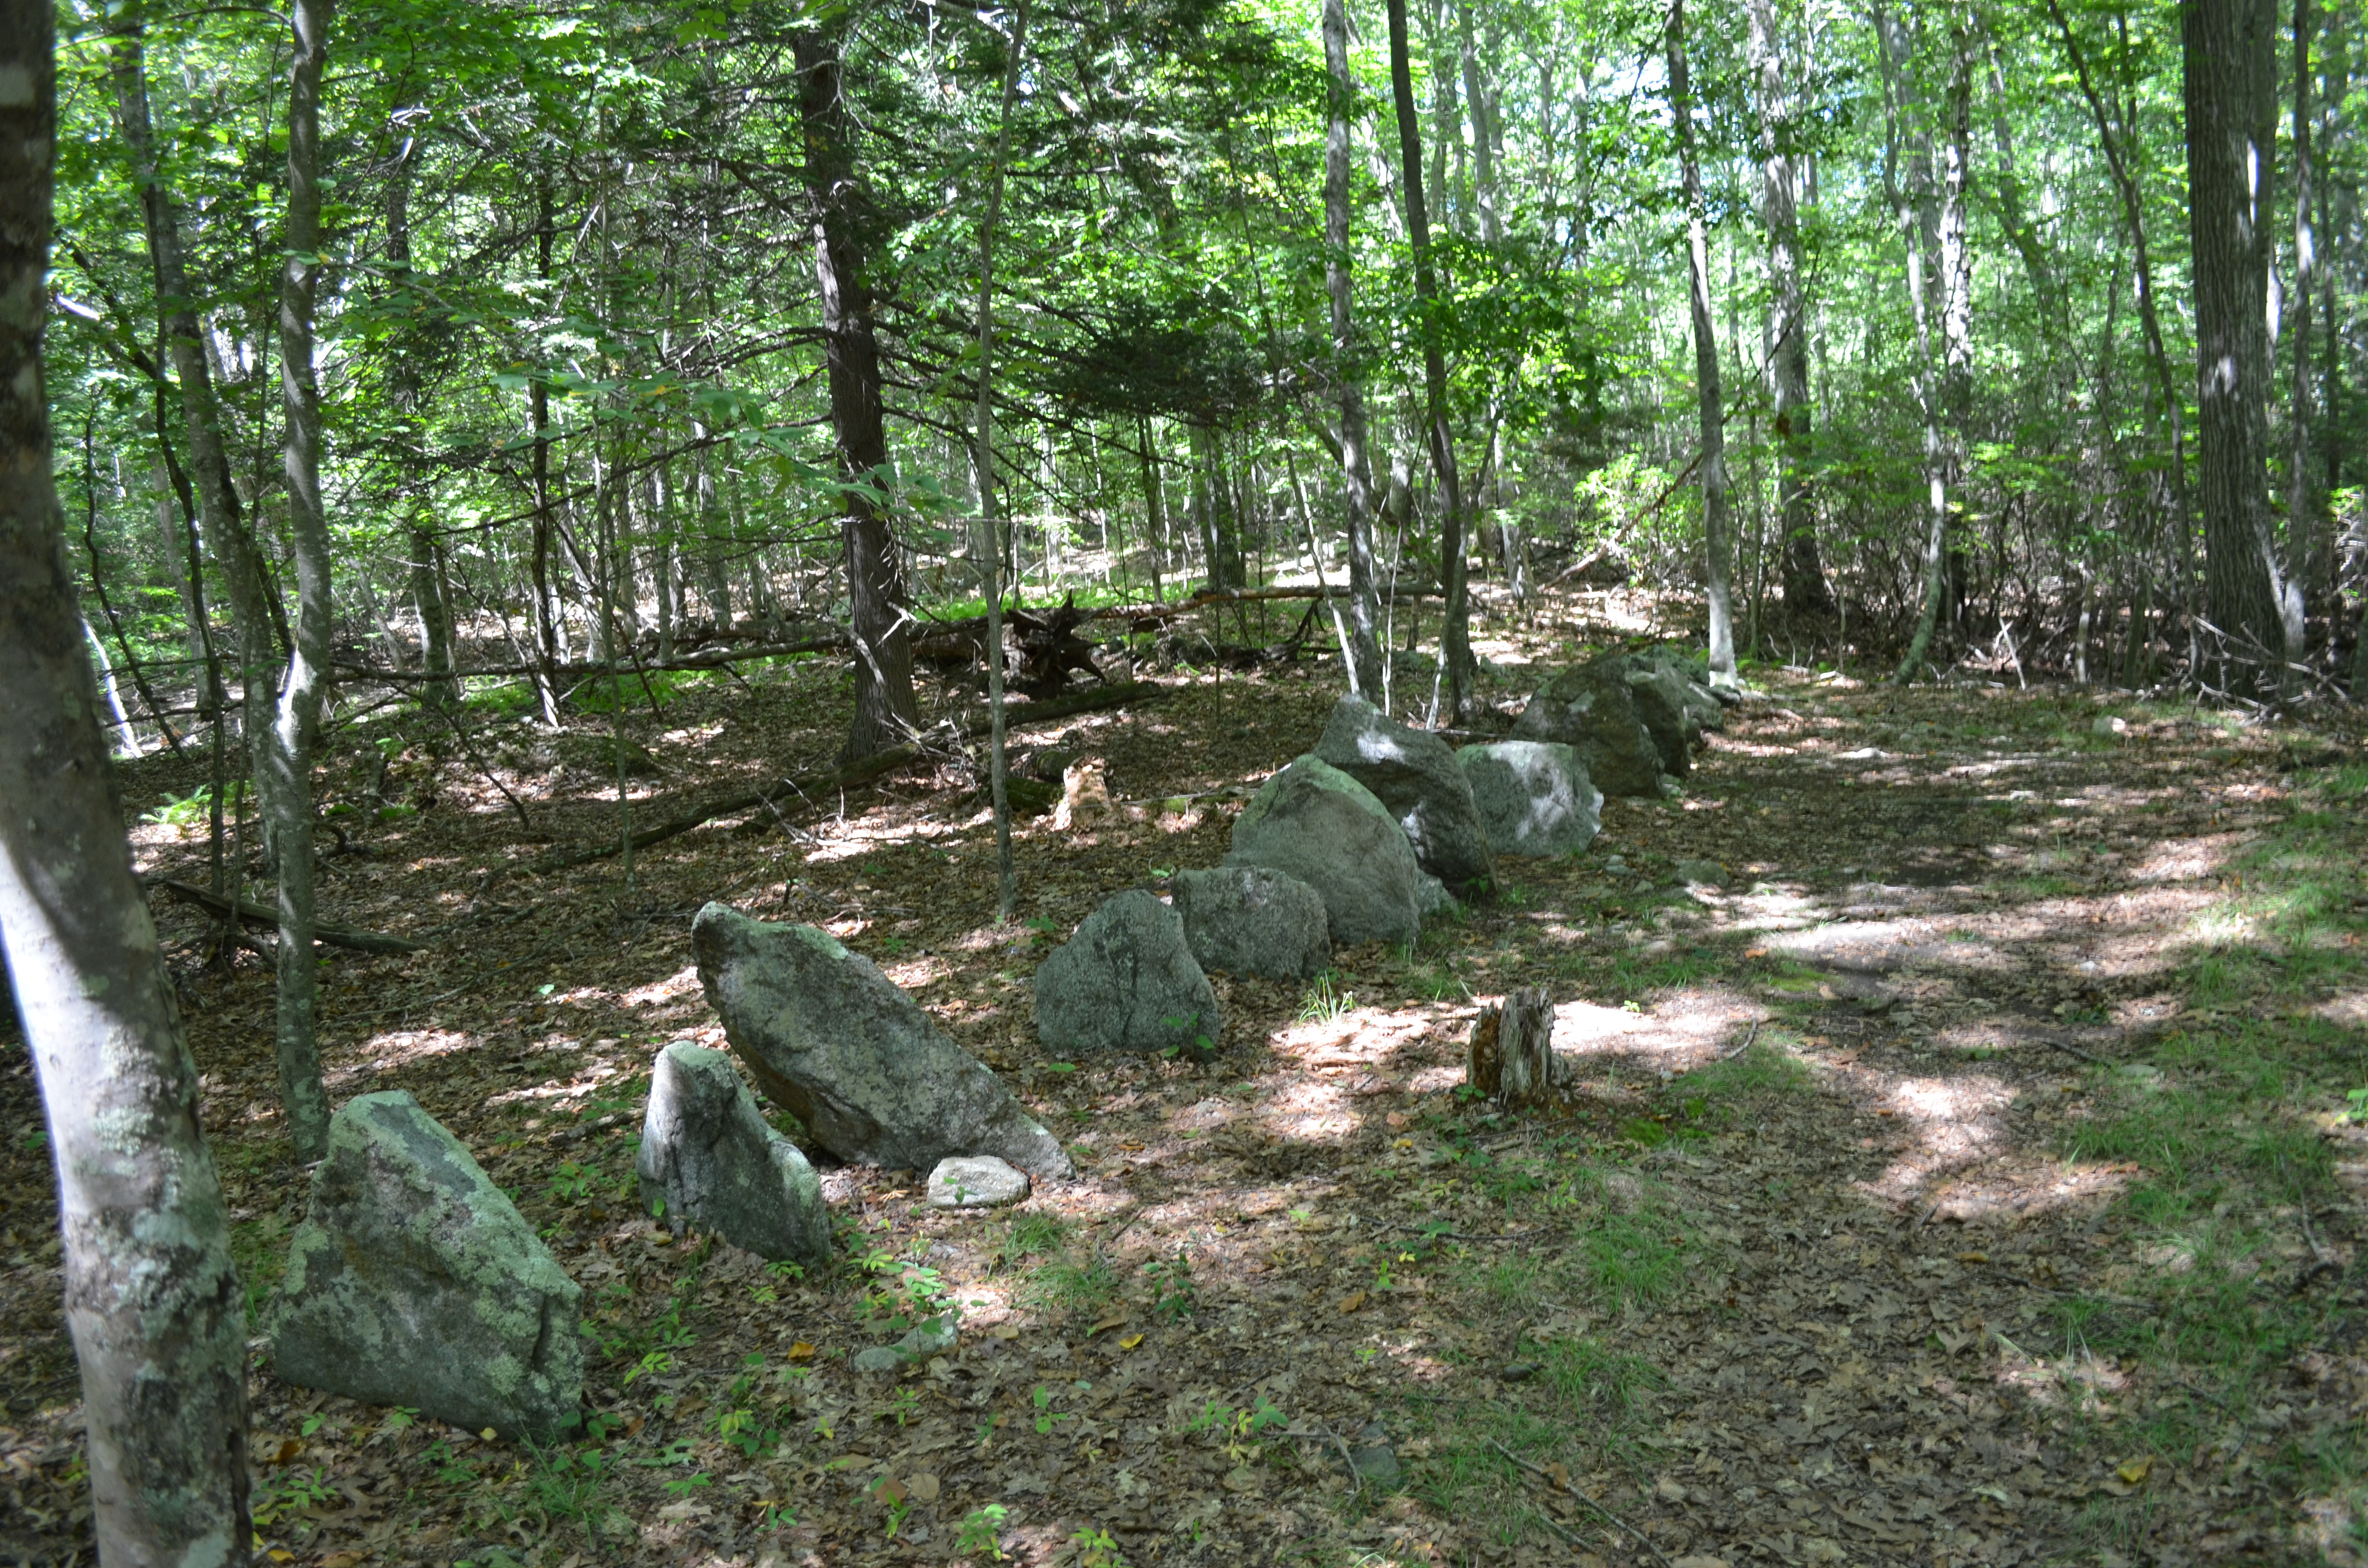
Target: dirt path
{"x":1959,"y":1183}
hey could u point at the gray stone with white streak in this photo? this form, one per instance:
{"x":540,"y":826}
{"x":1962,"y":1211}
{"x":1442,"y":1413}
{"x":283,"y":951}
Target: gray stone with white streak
{"x":1535,"y":796}
{"x":414,"y":1282}
{"x":709,"y":1163}
{"x":975,"y":1181}
{"x":1313,"y":822}
{"x":1412,"y":772}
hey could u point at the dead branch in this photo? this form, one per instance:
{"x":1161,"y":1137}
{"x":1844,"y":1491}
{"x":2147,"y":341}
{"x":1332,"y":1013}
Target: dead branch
{"x":253,"y":914}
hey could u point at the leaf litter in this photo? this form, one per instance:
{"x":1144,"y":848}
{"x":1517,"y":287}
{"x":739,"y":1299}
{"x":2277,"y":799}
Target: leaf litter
{"x":1878,"y":1226}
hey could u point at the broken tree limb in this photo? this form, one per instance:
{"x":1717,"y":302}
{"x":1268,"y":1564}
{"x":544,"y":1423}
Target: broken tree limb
{"x":716,"y":658}
{"x":804,"y":789}
{"x":253,"y":914}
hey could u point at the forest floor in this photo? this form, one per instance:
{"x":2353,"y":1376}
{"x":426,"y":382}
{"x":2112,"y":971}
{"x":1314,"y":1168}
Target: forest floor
{"x":1971,"y":1180}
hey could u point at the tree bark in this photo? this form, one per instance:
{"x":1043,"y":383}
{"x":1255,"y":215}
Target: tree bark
{"x":988,"y":547}
{"x":887,"y":713}
{"x":1347,"y":365}
{"x":2302,"y":497}
{"x":247,"y":577}
{"x":2228,"y":82}
{"x":1718,"y":526}
{"x":155,"y":1306}
{"x":1455,"y":633}
{"x":1804,"y":573}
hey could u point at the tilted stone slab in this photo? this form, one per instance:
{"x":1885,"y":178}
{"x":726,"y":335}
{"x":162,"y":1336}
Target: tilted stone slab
{"x":709,"y":1163}
{"x":873,"y":1078}
{"x":414,"y":1282}
{"x":1594,"y":710}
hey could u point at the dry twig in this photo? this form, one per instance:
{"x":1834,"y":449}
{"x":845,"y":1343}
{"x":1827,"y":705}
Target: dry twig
{"x":1639,"y":1536}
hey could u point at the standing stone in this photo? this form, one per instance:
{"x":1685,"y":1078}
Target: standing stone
{"x":828,"y":1035}
{"x":1533,"y":796}
{"x":1593,"y":710}
{"x":1126,"y":981}
{"x":710,"y":1163}
{"x":1251,"y":920}
{"x":414,"y":1282}
{"x":976,"y":1181}
{"x":1413,"y":774}
{"x":1313,"y":822}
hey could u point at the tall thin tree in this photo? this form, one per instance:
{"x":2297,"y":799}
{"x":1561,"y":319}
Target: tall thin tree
{"x":1718,"y":526}
{"x":1347,"y":368}
{"x":151,"y":1300}
{"x":1455,"y":633}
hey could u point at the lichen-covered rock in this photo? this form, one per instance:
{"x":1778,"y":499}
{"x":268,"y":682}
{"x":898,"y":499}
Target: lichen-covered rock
{"x":709,"y":1163}
{"x":975,"y":1181}
{"x":1413,"y":773}
{"x":1126,"y":981}
{"x":1594,"y":710}
{"x":1535,"y":796}
{"x":1313,"y":822}
{"x":414,"y":1282}
{"x":1254,"y":920}
{"x":828,"y":1036}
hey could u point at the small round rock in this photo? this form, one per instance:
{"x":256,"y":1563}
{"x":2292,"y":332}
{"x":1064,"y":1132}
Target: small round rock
{"x":975,"y":1181}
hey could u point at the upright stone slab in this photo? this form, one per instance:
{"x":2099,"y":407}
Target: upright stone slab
{"x":1414,"y":775}
{"x":1593,"y":710}
{"x":1126,"y":981}
{"x":414,"y":1282}
{"x":1254,"y":920}
{"x":828,"y":1035}
{"x":1313,"y":822}
{"x":709,"y":1163}
{"x":1535,"y":796}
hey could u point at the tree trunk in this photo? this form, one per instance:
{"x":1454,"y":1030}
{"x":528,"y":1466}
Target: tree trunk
{"x":153,"y":1302}
{"x":989,"y":548}
{"x":1455,"y":633}
{"x":1717,"y":524}
{"x":1484,"y":161}
{"x":425,"y":566}
{"x":1347,"y":365}
{"x":245,"y":574}
{"x":1805,"y":591}
{"x":284,"y":774}
{"x":2228,"y":83}
{"x":845,"y":248}
{"x":2301,"y":499}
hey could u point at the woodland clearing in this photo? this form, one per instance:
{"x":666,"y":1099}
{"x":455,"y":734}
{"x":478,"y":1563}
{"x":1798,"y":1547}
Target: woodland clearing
{"x":1973,"y":1179}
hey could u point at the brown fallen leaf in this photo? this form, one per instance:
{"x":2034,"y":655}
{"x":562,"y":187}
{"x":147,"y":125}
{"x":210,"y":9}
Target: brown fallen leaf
{"x":2136,"y":1471}
{"x":1351,"y":1302}
{"x":1973,"y":1257}
{"x":288,"y":1449}
{"x":922,"y":1487}
{"x":801,"y":1351}
{"x":1130,"y":1342}
{"x":1112,"y":1320}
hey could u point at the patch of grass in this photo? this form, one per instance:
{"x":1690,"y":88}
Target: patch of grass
{"x":1761,"y":1070}
{"x":1631,"y":1260}
{"x":1326,"y":1001}
{"x":259,"y":1249}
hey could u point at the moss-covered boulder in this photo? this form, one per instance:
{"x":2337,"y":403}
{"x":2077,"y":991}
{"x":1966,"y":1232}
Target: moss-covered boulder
{"x":1313,"y":822}
{"x":414,"y":1282}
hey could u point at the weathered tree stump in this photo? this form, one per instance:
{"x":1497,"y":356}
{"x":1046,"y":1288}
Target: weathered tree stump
{"x":1512,"y":1059}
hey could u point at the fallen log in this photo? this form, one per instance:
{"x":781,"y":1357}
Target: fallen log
{"x":806,"y":790}
{"x":705,"y":659}
{"x":253,"y":914}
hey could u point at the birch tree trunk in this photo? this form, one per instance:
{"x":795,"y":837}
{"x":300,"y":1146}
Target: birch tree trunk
{"x":1348,"y":364}
{"x":1717,"y":524}
{"x":247,"y":577}
{"x":2228,"y":78}
{"x":1455,"y":633}
{"x":2301,"y":500}
{"x":155,"y":1306}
